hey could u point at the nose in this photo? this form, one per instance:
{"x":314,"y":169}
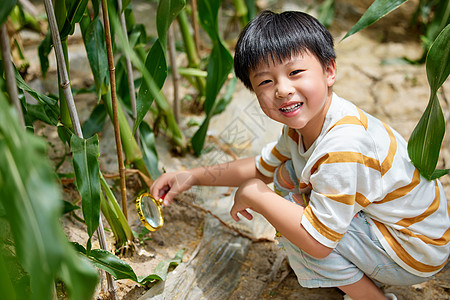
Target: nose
{"x":284,"y":89}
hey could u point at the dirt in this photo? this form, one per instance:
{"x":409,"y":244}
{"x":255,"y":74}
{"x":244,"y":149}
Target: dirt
{"x":369,"y":74}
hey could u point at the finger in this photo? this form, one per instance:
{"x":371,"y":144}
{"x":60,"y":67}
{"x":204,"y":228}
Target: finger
{"x":246,"y":214}
{"x":159,"y":188}
{"x":168,"y":197}
{"x":234,"y":216}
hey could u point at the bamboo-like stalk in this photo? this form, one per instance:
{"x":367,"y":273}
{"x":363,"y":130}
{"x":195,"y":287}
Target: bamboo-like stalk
{"x":175,"y":75}
{"x":9,"y":73}
{"x":65,"y":85}
{"x":195,"y":25}
{"x":112,"y":78}
{"x":191,"y":50}
{"x":129,"y":69}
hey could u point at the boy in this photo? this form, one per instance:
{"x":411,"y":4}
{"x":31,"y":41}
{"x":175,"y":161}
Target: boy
{"x":350,"y":206}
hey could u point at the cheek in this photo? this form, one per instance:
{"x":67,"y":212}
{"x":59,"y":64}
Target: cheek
{"x":266,"y":104}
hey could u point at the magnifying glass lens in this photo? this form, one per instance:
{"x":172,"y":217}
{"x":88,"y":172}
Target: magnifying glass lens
{"x":151,"y":212}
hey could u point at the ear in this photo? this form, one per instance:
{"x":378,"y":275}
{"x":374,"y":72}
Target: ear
{"x":331,"y":72}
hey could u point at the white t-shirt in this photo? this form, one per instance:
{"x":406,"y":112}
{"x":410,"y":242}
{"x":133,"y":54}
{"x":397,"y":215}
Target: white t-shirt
{"x":359,"y":163}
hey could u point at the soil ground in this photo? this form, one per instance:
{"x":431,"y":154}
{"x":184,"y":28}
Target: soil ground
{"x":369,"y":73}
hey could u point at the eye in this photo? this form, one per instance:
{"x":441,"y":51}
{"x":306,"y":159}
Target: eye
{"x":265,"y":82}
{"x":295,"y":72}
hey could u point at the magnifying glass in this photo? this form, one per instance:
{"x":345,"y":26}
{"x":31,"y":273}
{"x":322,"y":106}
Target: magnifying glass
{"x":150,"y":211}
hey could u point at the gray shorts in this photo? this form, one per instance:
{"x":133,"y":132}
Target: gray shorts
{"x":358,"y":253}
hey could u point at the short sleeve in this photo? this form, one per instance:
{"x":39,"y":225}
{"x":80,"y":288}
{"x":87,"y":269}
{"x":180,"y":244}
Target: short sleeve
{"x":273,"y":154}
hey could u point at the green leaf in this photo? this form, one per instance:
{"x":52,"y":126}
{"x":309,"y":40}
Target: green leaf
{"x":166,"y":13}
{"x":162,"y":268}
{"x":6,"y":7}
{"x":223,"y":102}
{"x":156,"y":64}
{"x":69,"y":207}
{"x":156,"y":58}
{"x":439,"y":173}
{"x":438,"y":60}
{"x":74,"y":14}
{"x":149,"y":150}
{"x":94,"y":42}
{"x":30,"y":197}
{"x":114,"y":215}
{"x":110,"y":263}
{"x":47,"y":110}
{"x":376,"y":11}
{"x":220,"y":65}
{"x":6,"y":285}
{"x":95,"y":122}
{"x":426,"y":139}
{"x":208,"y":15}
{"x":86,"y":166}
{"x":43,"y":51}
{"x":125,"y":4}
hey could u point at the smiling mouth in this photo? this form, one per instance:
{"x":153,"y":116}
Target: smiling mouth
{"x":291,"y":108}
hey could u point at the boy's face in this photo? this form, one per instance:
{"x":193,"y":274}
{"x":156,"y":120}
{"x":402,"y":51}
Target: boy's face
{"x":296,"y":92}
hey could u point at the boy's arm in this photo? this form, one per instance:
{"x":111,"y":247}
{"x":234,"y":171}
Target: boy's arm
{"x":227,"y":174}
{"x":284,"y":215}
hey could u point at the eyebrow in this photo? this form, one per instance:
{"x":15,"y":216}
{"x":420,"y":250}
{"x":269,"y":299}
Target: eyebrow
{"x":289,"y":63}
{"x":260,"y":74}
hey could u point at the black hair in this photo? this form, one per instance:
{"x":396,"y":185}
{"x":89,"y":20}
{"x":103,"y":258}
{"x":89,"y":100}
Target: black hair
{"x":279,"y":36}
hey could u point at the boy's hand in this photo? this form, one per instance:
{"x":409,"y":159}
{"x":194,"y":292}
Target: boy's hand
{"x":171,"y":184}
{"x":247,"y":197}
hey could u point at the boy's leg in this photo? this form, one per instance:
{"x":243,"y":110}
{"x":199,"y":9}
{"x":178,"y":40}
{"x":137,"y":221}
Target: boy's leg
{"x":363,"y":289}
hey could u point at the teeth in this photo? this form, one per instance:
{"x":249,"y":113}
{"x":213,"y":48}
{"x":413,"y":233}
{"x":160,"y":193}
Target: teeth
{"x":291,"y":107}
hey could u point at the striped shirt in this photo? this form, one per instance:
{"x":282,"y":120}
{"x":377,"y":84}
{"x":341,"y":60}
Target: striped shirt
{"x":359,"y":163}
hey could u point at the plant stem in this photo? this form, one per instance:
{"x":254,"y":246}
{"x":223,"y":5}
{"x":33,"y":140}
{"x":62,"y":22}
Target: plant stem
{"x":175,"y":75}
{"x":191,"y":50}
{"x":129,"y":69}
{"x":9,"y":73}
{"x":195,"y":25}
{"x":64,"y":112}
{"x":73,"y":113}
{"x":114,"y":108}
{"x":132,"y":151}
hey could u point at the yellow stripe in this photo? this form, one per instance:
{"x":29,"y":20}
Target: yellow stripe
{"x":347,"y":120}
{"x":400,"y":192}
{"x":278,"y":155}
{"x":266,"y":166}
{"x":352,"y":120}
{"x":293,"y":134}
{"x":346,"y":157}
{"x":402,"y":254}
{"x":363,"y":118}
{"x":431,"y":209}
{"x":387,"y":163}
{"x":443,"y":240}
{"x":320,"y":227}
{"x":362,"y":200}
{"x":342,"y":198}
{"x":350,"y":199}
